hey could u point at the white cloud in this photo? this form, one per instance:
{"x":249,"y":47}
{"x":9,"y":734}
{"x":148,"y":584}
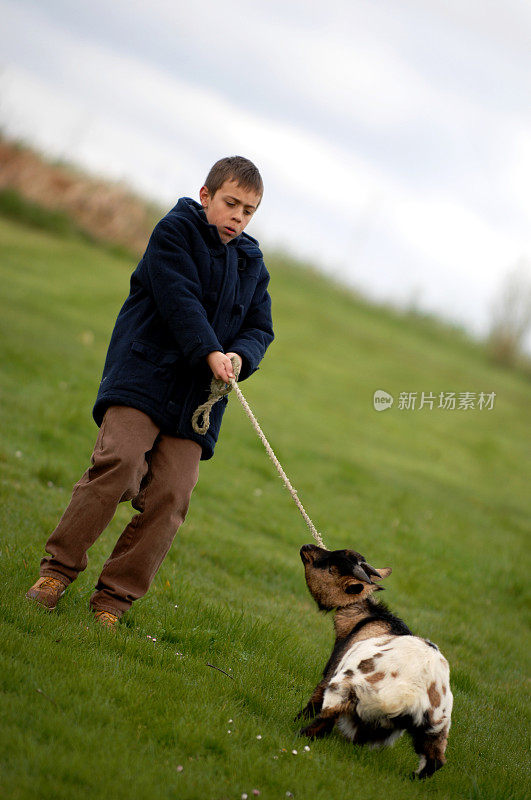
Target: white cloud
{"x":387,"y":173}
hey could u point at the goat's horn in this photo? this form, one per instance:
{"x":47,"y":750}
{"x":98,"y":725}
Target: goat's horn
{"x":360,"y":573}
{"x":371,"y":570}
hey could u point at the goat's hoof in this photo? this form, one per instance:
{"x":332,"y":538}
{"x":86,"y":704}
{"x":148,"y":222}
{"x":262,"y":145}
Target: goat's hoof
{"x":431,"y":766}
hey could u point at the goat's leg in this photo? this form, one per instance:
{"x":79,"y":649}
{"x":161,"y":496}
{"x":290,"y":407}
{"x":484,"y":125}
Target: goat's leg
{"x":431,"y":748}
{"x":324,"y":722}
{"x":318,"y":728}
{"x":315,"y":703}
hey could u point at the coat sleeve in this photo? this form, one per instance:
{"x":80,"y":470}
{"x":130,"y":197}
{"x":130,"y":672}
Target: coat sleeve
{"x":256,"y":332}
{"x":172,"y":278}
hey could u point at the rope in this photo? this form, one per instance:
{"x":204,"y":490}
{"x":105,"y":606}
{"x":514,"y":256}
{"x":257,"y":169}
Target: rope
{"x":217,"y":390}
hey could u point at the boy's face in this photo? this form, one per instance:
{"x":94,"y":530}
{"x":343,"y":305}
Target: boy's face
{"x":230,"y":208}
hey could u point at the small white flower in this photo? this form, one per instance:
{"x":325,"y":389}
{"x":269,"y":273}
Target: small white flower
{"x":294,"y":752}
{"x":244,"y":796}
{"x":180,"y":768}
{"x":307,"y":748}
{"x":229,"y":731}
{"x":259,"y":736}
{"x":275,"y":757}
{"x":153,"y":640}
{"x":230,"y":721}
{"x":18,"y":454}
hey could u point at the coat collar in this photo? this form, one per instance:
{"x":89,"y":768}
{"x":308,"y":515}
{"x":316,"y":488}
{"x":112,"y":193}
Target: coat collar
{"x":195,"y":213}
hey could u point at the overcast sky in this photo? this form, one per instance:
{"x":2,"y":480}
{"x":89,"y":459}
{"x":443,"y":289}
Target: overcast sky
{"x":393,"y":136}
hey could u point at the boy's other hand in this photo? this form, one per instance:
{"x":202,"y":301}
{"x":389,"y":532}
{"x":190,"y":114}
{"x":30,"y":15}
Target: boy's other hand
{"x":221,"y":365}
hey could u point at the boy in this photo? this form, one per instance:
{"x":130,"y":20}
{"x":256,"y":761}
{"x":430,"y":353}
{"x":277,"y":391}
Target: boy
{"x":198,"y":296}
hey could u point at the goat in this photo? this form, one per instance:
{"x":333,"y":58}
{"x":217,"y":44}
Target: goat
{"x":380,"y":680}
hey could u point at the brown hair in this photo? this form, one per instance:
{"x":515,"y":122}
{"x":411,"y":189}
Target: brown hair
{"x":235,"y":168}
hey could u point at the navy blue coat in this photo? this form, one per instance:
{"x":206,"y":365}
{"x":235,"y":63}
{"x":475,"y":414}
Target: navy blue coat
{"x":190,"y":294}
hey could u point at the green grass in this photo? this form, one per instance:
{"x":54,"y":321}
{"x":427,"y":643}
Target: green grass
{"x":440,"y":496}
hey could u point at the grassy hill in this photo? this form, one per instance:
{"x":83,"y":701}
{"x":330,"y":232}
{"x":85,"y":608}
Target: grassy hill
{"x":442,"y":496}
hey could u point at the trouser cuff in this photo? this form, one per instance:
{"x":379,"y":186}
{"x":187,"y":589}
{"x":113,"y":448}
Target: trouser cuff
{"x":50,"y":573}
{"x":112,"y":610}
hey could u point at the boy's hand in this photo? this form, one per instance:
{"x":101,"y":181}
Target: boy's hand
{"x":239,"y":359}
{"x":221,"y":365}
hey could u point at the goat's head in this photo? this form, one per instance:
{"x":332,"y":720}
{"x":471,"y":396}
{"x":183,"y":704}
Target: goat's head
{"x":338,"y":578}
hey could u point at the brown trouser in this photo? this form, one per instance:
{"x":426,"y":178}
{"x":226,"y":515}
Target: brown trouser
{"x":132,"y":460}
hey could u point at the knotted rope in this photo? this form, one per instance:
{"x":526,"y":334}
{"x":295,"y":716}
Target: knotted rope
{"x":218,"y":389}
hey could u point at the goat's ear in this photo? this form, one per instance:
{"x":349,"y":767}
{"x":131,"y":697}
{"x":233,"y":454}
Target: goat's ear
{"x":383,"y":573}
{"x":354,"y":588}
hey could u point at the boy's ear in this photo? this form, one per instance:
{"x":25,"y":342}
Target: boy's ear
{"x":204,"y":195}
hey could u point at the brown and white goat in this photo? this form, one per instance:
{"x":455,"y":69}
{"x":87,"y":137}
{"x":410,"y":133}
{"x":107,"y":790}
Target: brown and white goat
{"x":380,"y":679}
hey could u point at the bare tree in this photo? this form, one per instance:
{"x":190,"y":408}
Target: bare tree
{"x":511,"y":314}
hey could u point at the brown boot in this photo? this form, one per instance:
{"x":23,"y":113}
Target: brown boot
{"x":105,"y":618}
{"x":47,"y":592}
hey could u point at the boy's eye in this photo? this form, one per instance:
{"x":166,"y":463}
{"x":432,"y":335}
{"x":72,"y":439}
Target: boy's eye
{"x":230,"y":204}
